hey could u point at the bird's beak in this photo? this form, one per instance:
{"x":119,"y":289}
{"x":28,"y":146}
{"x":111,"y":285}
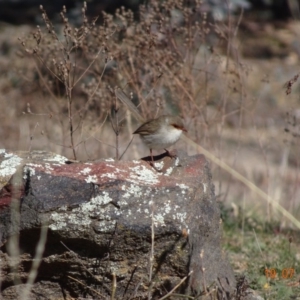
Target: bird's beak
{"x":182,"y":128}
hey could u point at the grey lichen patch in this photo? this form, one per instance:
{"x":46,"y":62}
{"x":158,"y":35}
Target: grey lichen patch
{"x":132,"y":191}
{"x":181,"y":217}
{"x":182,"y":185}
{"x":109,"y":159}
{"x":109,"y":175}
{"x":167,"y":206}
{"x":142,"y":174}
{"x":104,"y":226}
{"x":79,"y":218}
{"x":29,"y":170}
{"x":91,"y":179}
{"x":159,"y":220}
{"x":61,"y":160}
{"x":169,"y":171}
{"x":159,"y":165}
{"x":9,"y":165}
{"x":48,"y":168}
{"x":176,"y":212}
{"x":136,"y":162}
{"x":85,"y":171}
{"x":183,"y":188}
{"x":113,"y":173}
{"x":167,"y":210}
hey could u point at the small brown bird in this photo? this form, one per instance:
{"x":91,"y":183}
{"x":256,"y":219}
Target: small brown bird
{"x":161,"y":133}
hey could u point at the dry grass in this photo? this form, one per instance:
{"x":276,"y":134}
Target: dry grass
{"x":169,"y":63}
{"x":175,"y":60}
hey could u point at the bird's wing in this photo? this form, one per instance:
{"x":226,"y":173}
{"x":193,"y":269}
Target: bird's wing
{"x":128,"y":103}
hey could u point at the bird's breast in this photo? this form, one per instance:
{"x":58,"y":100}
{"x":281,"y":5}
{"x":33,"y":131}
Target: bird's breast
{"x":164,"y":138}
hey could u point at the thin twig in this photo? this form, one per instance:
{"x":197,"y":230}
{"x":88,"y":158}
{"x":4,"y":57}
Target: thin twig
{"x":129,"y":281}
{"x":36,"y":261}
{"x":80,"y":262}
{"x":31,"y":137}
{"x":151,"y":258}
{"x":203,"y":272}
{"x":126,"y":148}
{"x":176,"y":286}
{"x":244,"y":180}
{"x":86,"y":286}
{"x":44,"y":80}
{"x":89,"y":66}
{"x":152,"y":245}
{"x":113,"y":287}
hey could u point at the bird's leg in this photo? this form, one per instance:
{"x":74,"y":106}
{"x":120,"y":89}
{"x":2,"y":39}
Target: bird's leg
{"x":152,"y":162}
{"x":171,"y":153}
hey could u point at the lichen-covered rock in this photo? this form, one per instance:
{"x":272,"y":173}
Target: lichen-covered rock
{"x":104,"y":221}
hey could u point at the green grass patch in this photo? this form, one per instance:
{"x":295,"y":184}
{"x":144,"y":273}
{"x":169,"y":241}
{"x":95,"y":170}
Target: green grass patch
{"x":267,"y":255}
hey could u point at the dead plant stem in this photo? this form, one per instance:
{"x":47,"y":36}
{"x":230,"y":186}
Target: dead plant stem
{"x":176,"y":286}
{"x":86,"y":286}
{"x":151,"y":258}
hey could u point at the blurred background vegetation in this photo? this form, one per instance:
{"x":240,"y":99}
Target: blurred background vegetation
{"x":229,"y":68}
{"x":26,"y":11}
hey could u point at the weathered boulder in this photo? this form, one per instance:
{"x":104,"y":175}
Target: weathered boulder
{"x":103,"y":221}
